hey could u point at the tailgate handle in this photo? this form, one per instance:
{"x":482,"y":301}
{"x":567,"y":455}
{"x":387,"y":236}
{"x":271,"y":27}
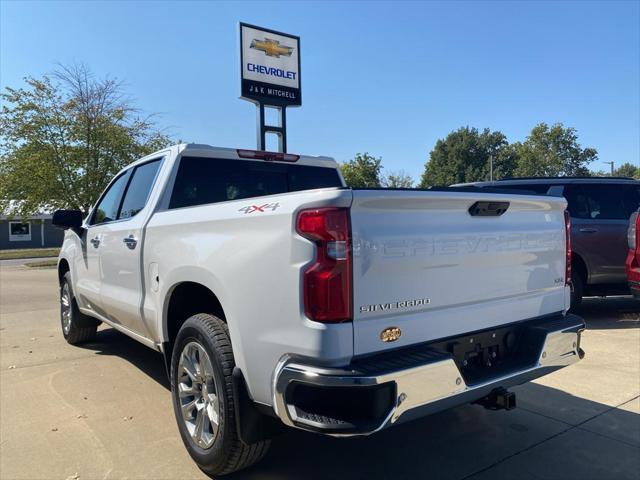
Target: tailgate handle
{"x":488,"y":209}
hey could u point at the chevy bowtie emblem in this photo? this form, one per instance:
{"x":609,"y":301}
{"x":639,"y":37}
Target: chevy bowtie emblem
{"x":271,"y":48}
{"x":390,"y":334}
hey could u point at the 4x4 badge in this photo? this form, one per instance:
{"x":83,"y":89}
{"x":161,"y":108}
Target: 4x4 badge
{"x":260,"y":208}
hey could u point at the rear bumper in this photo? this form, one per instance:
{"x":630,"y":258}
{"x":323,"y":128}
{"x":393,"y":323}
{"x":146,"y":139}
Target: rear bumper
{"x":383,"y":390}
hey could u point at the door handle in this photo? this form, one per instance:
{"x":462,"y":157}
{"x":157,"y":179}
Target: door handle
{"x":589,"y":230}
{"x":130,"y":242}
{"x":95,"y":242}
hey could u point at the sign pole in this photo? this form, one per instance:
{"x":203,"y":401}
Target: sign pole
{"x":260,"y":133}
{"x":263,"y":128}
{"x":283,"y":124}
{"x":270,"y":78}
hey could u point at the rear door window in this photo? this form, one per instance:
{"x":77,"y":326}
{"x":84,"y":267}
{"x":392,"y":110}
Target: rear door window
{"x":202,"y":180}
{"x":139,"y":188}
{"x":577,"y":203}
{"x":610,"y":201}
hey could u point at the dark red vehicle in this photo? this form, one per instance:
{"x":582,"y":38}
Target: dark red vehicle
{"x":633,"y":257}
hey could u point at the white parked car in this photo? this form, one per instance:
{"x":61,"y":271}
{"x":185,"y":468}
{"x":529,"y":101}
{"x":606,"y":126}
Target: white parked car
{"x":280,"y":297}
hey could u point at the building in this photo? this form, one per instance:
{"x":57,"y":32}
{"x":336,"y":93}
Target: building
{"x":33,"y":232}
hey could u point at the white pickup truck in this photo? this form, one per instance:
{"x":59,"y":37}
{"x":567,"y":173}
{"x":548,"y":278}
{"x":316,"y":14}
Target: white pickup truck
{"x":280,"y":297}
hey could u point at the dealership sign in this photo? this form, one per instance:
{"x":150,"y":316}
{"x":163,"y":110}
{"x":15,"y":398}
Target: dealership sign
{"x":269,"y":66}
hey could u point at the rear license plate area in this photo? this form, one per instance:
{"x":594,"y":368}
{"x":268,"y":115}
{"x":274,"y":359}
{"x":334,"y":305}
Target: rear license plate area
{"x":489,"y":354}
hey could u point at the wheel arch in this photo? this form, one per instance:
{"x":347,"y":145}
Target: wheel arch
{"x":183,"y":300}
{"x":195,"y":282}
{"x":63,"y":268}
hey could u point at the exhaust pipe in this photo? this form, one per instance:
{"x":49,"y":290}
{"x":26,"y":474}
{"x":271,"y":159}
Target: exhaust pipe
{"x":499,"y":399}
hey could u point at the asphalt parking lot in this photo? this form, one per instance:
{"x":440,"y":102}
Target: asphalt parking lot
{"x":104,"y":411}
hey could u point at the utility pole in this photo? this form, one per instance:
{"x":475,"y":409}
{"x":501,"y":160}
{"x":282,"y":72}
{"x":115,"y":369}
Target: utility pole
{"x":610,"y":163}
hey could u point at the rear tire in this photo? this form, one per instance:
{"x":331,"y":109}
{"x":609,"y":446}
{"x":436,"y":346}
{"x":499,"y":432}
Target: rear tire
{"x":76,"y":327}
{"x":202,"y":391}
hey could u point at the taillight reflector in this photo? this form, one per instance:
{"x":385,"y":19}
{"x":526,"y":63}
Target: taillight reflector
{"x":327,"y":281}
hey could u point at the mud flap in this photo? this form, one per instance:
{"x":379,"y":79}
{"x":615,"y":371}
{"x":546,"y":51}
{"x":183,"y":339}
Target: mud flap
{"x":252,"y":425}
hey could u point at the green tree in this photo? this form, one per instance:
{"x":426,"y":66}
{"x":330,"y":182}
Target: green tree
{"x":464,"y":156}
{"x":63,"y":137}
{"x":363,"y":171}
{"x":553,"y":151}
{"x":628,"y":170}
{"x":399,"y":179}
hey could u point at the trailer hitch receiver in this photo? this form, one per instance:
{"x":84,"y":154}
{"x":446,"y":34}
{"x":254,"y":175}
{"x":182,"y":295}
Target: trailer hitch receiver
{"x":499,"y":399}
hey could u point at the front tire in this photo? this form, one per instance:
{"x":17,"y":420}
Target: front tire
{"x":76,"y":327}
{"x":203,"y":398}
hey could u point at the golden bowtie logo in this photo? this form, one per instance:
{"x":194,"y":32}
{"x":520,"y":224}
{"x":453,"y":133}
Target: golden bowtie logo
{"x":390,"y":334}
{"x":271,"y":48}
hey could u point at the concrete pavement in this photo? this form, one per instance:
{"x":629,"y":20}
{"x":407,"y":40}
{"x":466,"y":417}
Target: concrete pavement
{"x":104,"y":411}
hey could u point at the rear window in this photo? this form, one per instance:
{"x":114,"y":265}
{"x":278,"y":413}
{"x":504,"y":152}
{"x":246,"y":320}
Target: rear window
{"x":202,"y":180}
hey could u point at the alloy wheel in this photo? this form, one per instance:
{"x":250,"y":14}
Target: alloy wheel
{"x":198,"y":396}
{"x":65,"y":308}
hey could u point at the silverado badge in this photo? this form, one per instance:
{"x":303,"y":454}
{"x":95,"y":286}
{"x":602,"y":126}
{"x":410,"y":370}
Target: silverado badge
{"x":390,"y":334}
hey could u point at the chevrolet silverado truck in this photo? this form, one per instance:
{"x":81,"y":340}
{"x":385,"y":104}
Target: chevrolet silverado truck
{"x":281,"y":298}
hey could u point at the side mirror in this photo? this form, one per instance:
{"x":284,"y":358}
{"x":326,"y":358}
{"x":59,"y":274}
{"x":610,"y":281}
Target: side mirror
{"x":67,"y":219}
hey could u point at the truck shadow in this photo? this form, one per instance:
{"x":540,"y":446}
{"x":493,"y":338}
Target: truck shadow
{"x":111,"y":342}
{"x":467,"y":441}
{"x":552,"y":434}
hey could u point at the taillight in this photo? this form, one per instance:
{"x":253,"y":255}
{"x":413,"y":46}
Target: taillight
{"x":636,"y":229}
{"x":633,"y":231}
{"x":327,"y":281}
{"x":567,"y":229}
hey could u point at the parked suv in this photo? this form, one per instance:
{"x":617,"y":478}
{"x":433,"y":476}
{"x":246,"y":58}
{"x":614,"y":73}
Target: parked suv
{"x":600,"y":208}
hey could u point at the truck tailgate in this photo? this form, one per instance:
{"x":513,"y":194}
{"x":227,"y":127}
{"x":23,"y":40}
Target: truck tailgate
{"x":423,"y":263}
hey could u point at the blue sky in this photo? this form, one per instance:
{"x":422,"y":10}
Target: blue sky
{"x":387,"y":78}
